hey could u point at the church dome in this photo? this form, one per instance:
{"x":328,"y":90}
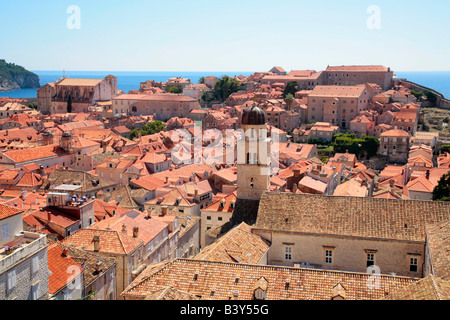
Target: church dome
{"x":254,"y":116}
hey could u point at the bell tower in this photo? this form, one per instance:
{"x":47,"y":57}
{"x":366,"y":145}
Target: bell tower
{"x":253,"y":148}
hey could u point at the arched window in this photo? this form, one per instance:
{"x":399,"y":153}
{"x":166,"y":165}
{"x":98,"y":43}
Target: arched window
{"x":134,"y":109}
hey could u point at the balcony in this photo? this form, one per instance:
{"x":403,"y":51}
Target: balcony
{"x":25,"y":245}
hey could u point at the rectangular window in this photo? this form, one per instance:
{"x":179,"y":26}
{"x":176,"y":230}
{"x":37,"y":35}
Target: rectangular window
{"x":220,"y":218}
{"x":328,"y":257}
{"x":413,"y":264}
{"x":11,"y":280}
{"x":370,"y":259}
{"x":34,"y":291}
{"x":208,"y":218}
{"x":5,"y":231}
{"x":288,"y":253}
{"x":34,"y":264}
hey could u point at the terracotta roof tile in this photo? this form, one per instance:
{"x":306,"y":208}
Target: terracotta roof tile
{"x":201,"y":278}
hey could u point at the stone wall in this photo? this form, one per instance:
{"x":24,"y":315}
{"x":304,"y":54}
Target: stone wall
{"x":349,"y":254}
{"x":25,"y":279}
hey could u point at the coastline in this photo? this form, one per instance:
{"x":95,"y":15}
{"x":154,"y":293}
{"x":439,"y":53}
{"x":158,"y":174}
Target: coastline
{"x":437,"y":81}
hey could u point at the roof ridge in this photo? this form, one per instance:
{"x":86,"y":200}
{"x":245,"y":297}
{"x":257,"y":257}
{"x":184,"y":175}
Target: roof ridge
{"x":434,"y":286}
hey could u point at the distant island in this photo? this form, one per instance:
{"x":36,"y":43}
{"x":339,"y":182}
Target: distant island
{"x":14,"y":77}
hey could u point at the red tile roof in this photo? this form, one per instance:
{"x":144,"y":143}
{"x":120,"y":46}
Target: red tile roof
{"x":61,"y":268}
{"x":112,"y":242}
{"x":37,"y":153}
{"x":7,"y":211}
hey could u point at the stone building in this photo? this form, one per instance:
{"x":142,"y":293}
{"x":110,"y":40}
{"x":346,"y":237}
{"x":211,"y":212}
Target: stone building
{"x":353,"y":75}
{"x":99,"y":273}
{"x":23,"y":259}
{"x":394,"y":144}
{"x":337,"y":105}
{"x":126,"y":250}
{"x":347,"y":233}
{"x":216,"y":214}
{"x":163,"y":106}
{"x":84,"y":93}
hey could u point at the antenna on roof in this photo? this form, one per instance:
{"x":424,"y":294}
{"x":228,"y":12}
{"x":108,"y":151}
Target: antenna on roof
{"x":64,"y":74}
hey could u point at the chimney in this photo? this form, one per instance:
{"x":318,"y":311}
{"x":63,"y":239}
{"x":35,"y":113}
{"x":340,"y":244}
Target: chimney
{"x":164,"y":211}
{"x":124,"y":228}
{"x":392,"y":182}
{"x":135,"y":232}
{"x":65,"y":253}
{"x":98,"y":266}
{"x":49,"y":217}
{"x":428,"y":174}
{"x":296,"y":173}
{"x":96,"y":243}
{"x":294,"y":188}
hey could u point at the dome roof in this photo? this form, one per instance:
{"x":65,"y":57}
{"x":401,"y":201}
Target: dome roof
{"x":254,"y":116}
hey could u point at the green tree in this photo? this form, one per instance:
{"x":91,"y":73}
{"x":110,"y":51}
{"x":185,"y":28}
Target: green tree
{"x":442,"y":191}
{"x":149,"y":129}
{"x":174,"y":89}
{"x":417,"y":94}
{"x":324,"y":159}
{"x":366,"y":145}
{"x":291,"y":88}
{"x":289,"y":99}
{"x":431,"y":97}
{"x":225,"y":87}
{"x":319,"y":141}
{"x":69,"y":104}
{"x":201,"y":80}
{"x":208,"y":97}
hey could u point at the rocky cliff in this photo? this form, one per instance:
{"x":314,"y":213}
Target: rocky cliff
{"x":14,"y":77}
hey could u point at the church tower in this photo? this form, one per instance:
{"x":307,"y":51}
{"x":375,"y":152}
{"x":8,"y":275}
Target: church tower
{"x":253,"y":154}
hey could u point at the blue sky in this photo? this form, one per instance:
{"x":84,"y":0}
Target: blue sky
{"x":244,"y":35}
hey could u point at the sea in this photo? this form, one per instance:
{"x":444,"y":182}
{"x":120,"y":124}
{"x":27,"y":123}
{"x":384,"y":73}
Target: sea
{"x":437,"y":80}
{"x":126,"y":81}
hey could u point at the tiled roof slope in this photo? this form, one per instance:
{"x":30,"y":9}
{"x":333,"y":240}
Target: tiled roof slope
{"x":90,"y":260}
{"x":37,"y":153}
{"x":7,"y":211}
{"x":112,"y":242}
{"x":402,"y":220}
{"x":59,"y":264}
{"x":238,"y":245}
{"x":59,"y":177}
{"x":202,"y":278}
{"x":439,"y":243}
{"x":430,"y":288}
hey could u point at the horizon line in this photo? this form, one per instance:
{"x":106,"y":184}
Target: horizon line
{"x":36,"y":70}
